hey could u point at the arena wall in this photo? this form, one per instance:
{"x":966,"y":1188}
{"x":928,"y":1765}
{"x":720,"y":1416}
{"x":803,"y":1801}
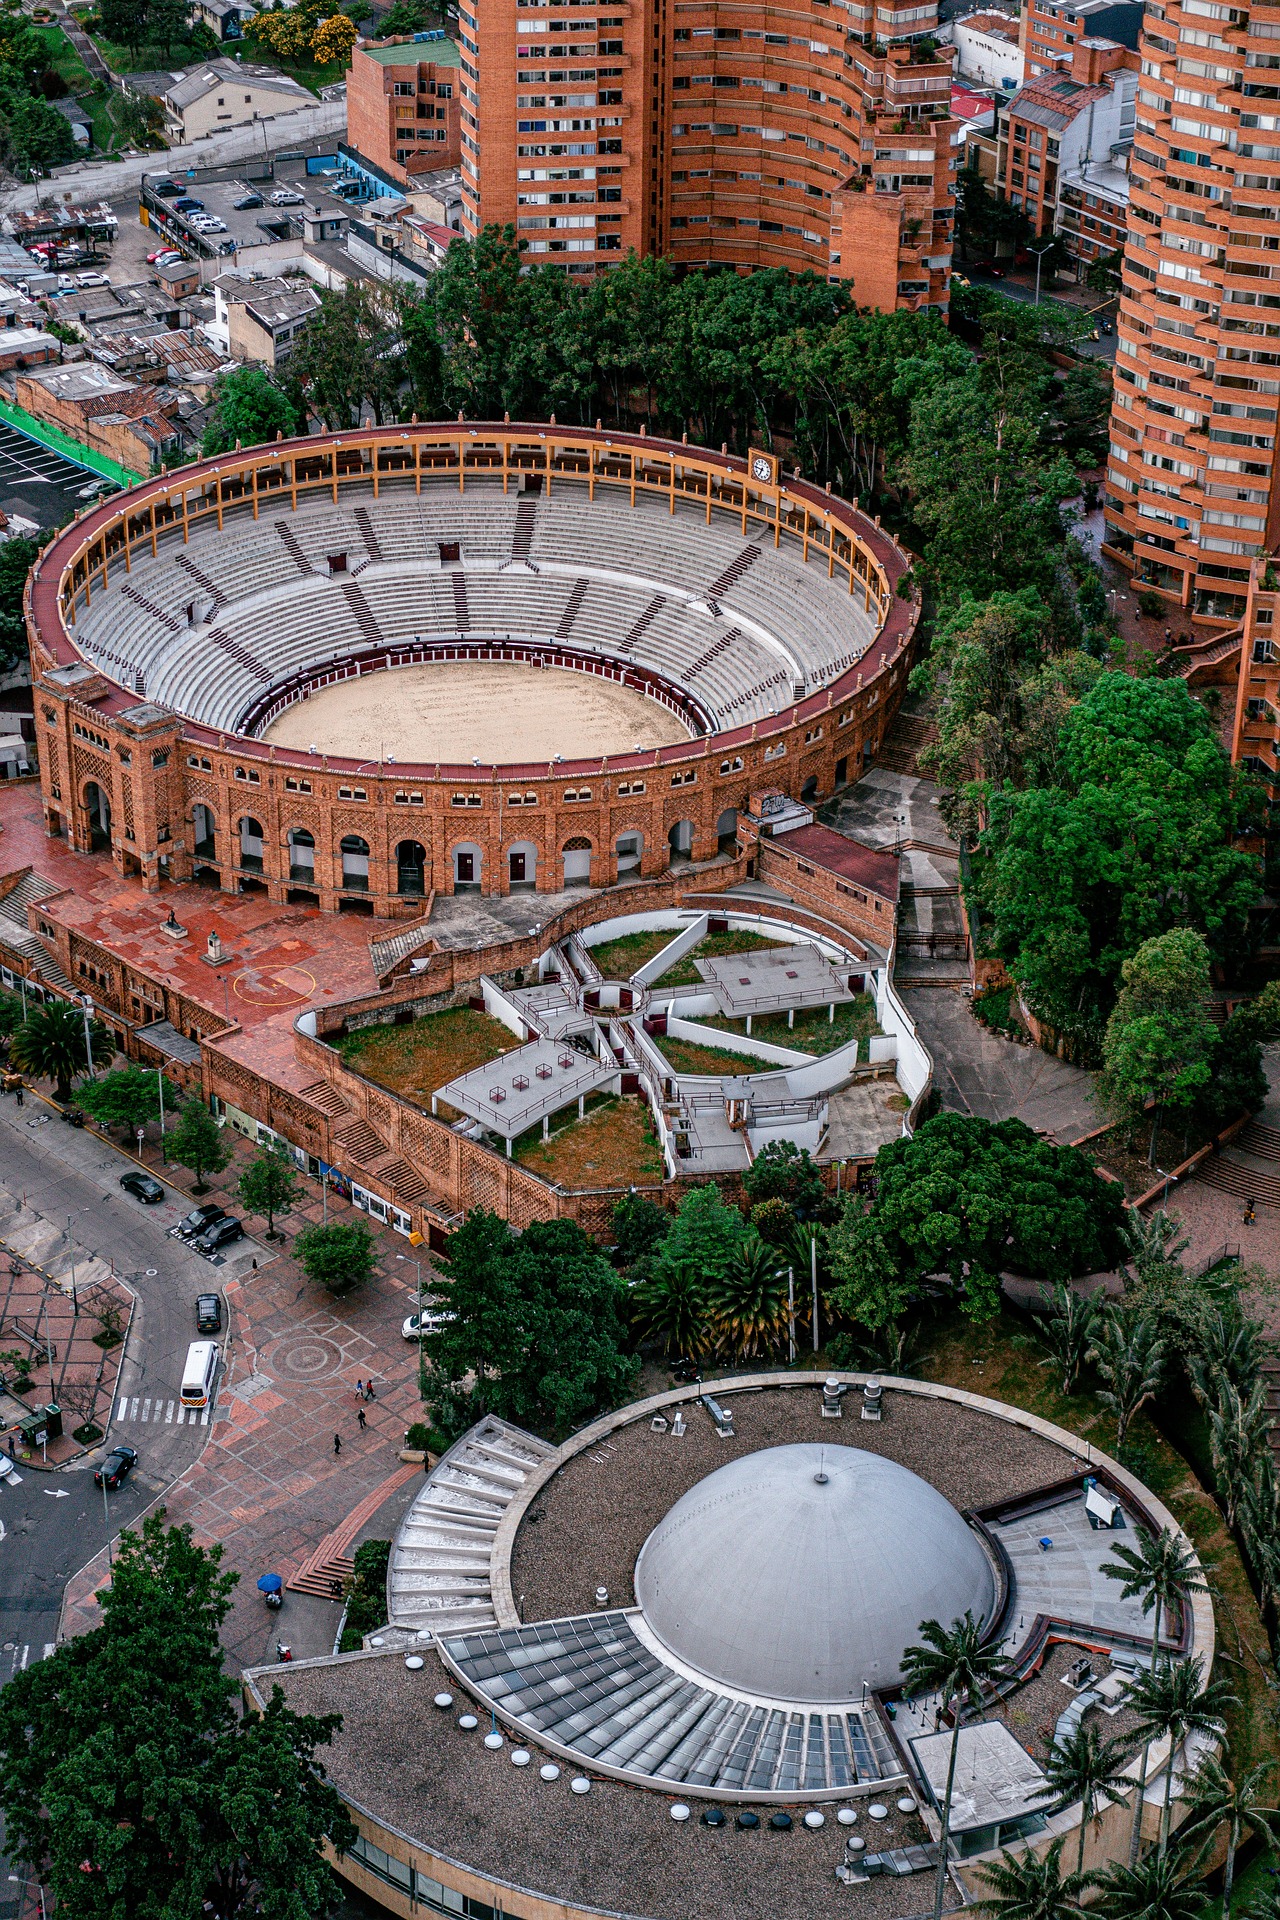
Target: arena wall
{"x":124,"y":776}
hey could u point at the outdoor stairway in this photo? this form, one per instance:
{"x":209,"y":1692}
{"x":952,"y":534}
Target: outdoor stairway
{"x":325,"y":1573}
{"x":522,"y":538}
{"x":1205,"y":651}
{"x":439,"y":1574}
{"x":901,"y":747}
{"x":289,"y":541}
{"x":361,"y":1143}
{"x":217,"y":597}
{"x":1246,"y":1183}
{"x":327,"y":1098}
{"x":734,"y":571}
{"x":17,"y":935}
{"x":387,"y":954}
{"x":369,"y":628}
{"x":366,"y":526}
{"x":405,"y":1182}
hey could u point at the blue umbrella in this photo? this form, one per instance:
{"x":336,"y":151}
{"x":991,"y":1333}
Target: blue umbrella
{"x":270,"y":1583}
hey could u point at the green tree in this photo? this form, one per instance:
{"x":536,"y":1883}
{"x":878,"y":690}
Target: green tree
{"x":1083,"y":1766}
{"x":1158,"y":1572}
{"x":671,"y":1307}
{"x":1239,"y":1441}
{"x":125,"y":22}
{"x":167,"y":22}
{"x":536,"y":1319}
{"x":747,"y":1303}
{"x":17,"y":557}
{"x":269,"y":1184}
{"x":348,"y":356}
{"x":1173,"y":1701}
{"x":1239,"y":1805}
{"x":783,"y":1171}
{"x":128,"y":1098}
{"x":1237,"y":1079}
{"x":1129,"y":1354}
{"x":406,"y":16}
{"x":1160,"y":1887}
{"x":952,"y":1663}
{"x":1159,"y":1040}
{"x":11,"y":1014}
{"x":51,"y":1044}
{"x":250,"y":408}
{"x":34,"y":136}
{"x":1066,"y":1328}
{"x":339,"y":1257}
{"x":1030,"y":1886}
{"x":1136,"y":837}
{"x":197,"y":1142}
{"x":639,"y":1226}
{"x":704,"y":1236}
{"x":129,"y":1783}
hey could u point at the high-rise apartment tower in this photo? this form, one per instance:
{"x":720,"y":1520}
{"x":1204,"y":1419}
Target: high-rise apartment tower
{"x":812,"y":135}
{"x":1191,"y":492}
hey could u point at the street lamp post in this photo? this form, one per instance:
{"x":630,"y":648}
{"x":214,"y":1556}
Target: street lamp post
{"x":86,"y":1007}
{"x":1039,"y":257}
{"x":160,"y":1084}
{"x":813,"y":1274}
{"x":417,"y":1265}
{"x":791,"y":1314}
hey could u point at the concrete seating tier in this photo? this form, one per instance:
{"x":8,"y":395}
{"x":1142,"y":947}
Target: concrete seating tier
{"x":742,"y":626}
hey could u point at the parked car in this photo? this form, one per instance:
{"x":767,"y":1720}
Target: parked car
{"x":247,"y":200}
{"x":286,"y":197}
{"x":65,"y":283}
{"x":211,"y":224}
{"x":116,"y":1468}
{"x":223,"y":1233}
{"x":426,"y":1323}
{"x":92,"y":279}
{"x":142,"y":1186}
{"x":209,"y":1313}
{"x":188,"y":205}
{"x":8,"y":1471}
{"x":197,"y":1220}
{"x":162,"y":253}
{"x":168,"y":190}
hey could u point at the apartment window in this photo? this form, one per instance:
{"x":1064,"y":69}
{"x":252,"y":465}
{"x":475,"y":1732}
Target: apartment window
{"x":408,"y":799}
{"x":630,"y":787}
{"x":352,"y":793}
{"x":464,"y":800}
{"x":201,"y":765}
{"x":297,"y":786}
{"x":578,"y":793}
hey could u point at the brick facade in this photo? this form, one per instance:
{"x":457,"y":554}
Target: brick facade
{"x":403,"y":108}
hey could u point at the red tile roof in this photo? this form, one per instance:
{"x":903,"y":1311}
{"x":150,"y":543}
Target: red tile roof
{"x":876,"y":871}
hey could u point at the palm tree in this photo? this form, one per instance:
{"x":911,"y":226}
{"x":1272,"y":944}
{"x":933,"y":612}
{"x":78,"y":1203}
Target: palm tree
{"x":1172,"y":1702}
{"x":672,"y":1307}
{"x":1087,"y":1768}
{"x":1238,"y":1428}
{"x":1066,"y":1328}
{"x":1129,"y":1354}
{"x":954,"y":1664}
{"x":1027,"y":1886}
{"x":1160,"y":1568}
{"x":1230,"y":1346}
{"x":747,"y":1303}
{"x":1153,"y":1244}
{"x":1157,"y":1888}
{"x":50,"y":1042}
{"x":1217,"y":1800}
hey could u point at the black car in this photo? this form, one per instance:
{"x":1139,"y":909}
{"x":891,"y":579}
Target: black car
{"x":116,"y":1468}
{"x":142,"y":1187}
{"x":219,"y":1235}
{"x":169,"y":190}
{"x":246,"y":201}
{"x":209,"y":1313}
{"x":197,"y":1221}
{"x":188,"y":205}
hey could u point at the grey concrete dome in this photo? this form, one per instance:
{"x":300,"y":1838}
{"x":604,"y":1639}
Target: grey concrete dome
{"x":799,"y":1572}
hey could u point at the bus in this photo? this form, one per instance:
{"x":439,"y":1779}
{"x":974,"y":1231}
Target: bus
{"x":197,"y":1378}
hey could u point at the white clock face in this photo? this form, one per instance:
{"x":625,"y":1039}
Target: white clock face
{"x":762,"y":469}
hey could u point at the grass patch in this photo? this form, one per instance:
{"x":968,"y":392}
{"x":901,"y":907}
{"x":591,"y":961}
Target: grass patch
{"x":64,"y":59}
{"x":1002,"y":1359}
{"x":416,"y":1059}
{"x":812,"y":1032}
{"x":688,"y":1056}
{"x":614,"y":1146}
{"x":618,"y":959}
{"x":87,"y":1434}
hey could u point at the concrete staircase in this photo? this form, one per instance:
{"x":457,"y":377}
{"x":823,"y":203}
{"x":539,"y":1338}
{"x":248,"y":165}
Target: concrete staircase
{"x":439,"y":1577}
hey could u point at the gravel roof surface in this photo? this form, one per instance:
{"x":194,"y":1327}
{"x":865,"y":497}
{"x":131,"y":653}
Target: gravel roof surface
{"x":1033,"y":1710}
{"x":616,"y":1848}
{"x":590,"y":1521}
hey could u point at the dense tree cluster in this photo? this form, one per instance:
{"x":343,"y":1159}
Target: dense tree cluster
{"x":34,"y":136}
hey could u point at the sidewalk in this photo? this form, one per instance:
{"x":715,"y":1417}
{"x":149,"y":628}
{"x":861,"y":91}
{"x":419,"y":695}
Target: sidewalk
{"x":268,"y":1485}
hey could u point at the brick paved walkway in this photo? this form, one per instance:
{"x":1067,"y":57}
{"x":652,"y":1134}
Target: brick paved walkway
{"x":268,"y":1485}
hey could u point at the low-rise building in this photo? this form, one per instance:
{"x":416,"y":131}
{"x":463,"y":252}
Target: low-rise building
{"x":403,"y":105}
{"x":1093,"y":208}
{"x":226,"y":18}
{"x":132,"y":423}
{"x":1061,"y":121}
{"x":1051,"y":30}
{"x":26,"y":346}
{"x":260,"y":319}
{"x":988,"y":51}
{"x":225,"y":93}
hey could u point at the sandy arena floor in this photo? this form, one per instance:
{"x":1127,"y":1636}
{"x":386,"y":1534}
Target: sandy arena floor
{"x":476,"y":709}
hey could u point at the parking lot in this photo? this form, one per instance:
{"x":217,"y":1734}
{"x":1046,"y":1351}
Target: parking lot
{"x":244,"y":210}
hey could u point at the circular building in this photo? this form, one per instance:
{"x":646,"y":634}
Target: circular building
{"x":657,"y":1670}
{"x":354,"y":670}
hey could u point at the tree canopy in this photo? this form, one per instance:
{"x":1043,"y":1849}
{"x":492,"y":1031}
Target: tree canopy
{"x":967,"y":1198}
{"x":1133,"y":838}
{"x":130,"y":1784}
{"x":536,"y":1319}
{"x":249,"y":406}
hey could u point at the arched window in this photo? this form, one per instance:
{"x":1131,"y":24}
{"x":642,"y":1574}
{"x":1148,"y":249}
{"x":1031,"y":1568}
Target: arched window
{"x":411,"y":868}
{"x":629,"y":848}
{"x":577,"y":862}
{"x":204,"y":846}
{"x":251,"y":845}
{"x":355,"y":863}
{"x":302,"y":855}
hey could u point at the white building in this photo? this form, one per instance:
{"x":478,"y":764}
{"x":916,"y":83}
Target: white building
{"x":987,"y":50}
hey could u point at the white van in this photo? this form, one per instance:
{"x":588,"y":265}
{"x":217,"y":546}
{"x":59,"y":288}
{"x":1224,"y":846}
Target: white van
{"x":198,"y":1375}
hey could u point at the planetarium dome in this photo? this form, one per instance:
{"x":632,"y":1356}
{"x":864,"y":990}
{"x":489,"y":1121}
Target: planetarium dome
{"x":799,"y":1572}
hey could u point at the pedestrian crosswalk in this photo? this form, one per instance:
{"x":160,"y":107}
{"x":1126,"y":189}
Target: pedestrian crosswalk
{"x":14,"y":1657}
{"x":170,"y":1412}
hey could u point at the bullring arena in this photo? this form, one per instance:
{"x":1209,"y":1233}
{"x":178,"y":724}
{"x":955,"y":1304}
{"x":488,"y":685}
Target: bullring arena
{"x":397,"y":730}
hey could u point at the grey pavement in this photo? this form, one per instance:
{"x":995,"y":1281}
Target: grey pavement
{"x":981,"y":1073}
{"x":885,"y":808}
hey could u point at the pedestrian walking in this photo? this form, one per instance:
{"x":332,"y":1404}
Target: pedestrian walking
{"x":337,"y":1444}
{"x":19,"y":1093}
{"x":361,"y":1421}
{"x":359,"y":1389}
{"x":369,"y":1393}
